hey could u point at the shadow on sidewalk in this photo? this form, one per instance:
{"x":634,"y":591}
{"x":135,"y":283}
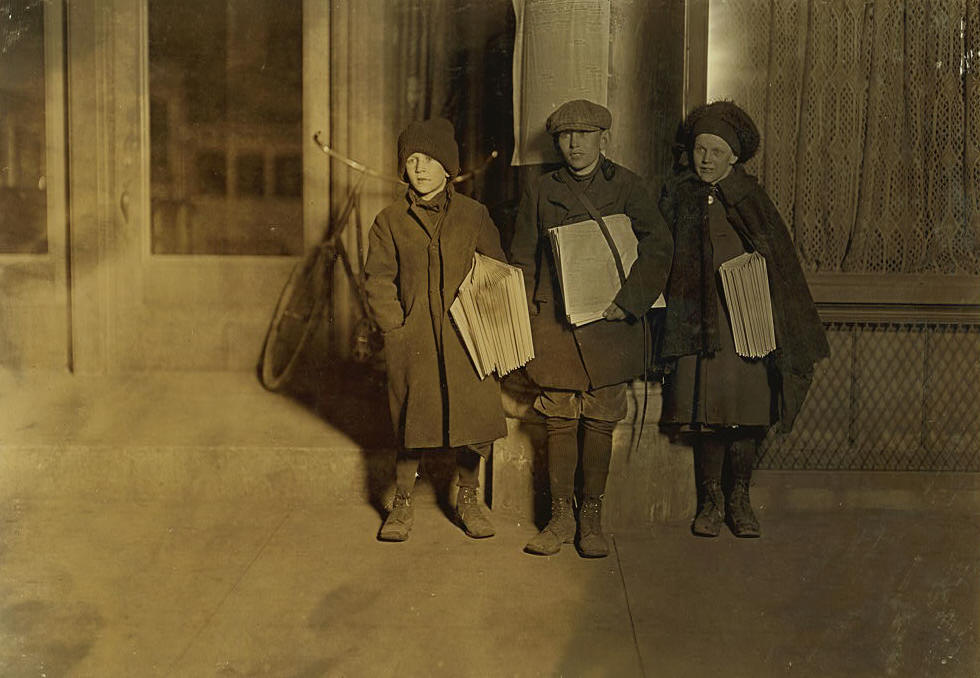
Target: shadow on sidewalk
{"x":352,"y":398}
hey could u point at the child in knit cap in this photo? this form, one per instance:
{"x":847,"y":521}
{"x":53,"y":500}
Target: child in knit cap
{"x":421,"y":248}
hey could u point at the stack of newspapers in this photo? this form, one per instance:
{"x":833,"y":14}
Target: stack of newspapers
{"x":586,"y":267}
{"x":746,"y":286}
{"x":490,"y":312}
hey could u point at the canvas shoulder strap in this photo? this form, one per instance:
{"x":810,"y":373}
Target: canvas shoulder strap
{"x":579,"y":193}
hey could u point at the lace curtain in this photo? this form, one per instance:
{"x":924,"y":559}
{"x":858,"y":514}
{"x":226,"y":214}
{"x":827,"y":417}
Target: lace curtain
{"x":870,"y":118}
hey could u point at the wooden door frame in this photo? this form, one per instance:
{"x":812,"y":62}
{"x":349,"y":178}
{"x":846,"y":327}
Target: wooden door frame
{"x":120,"y":290}
{"x":35,"y":308}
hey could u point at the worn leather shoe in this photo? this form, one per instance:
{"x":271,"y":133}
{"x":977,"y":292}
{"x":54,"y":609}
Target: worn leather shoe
{"x":591,"y":541}
{"x":559,"y":530}
{"x":711,"y":517}
{"x":470,"y":514}
{"x":740,"y":514}
{"x":400,"y":519}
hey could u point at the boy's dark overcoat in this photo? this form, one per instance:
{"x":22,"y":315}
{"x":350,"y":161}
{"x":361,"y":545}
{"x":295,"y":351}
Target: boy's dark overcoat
{"x":604,"y":352}
{"x":435,"y":395}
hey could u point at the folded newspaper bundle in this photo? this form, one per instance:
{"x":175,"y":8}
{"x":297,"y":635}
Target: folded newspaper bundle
{"x":586,"y":267}
{"x":745,"y":282}
{"x":490,"y":312}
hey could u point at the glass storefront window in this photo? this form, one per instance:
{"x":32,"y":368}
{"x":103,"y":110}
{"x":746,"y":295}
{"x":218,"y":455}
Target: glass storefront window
{"x":226,"y":127}
{"x":23,"y":194}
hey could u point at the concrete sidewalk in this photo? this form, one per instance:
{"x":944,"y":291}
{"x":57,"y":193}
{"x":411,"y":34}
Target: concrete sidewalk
{"x":204,"y":588}
{"x":194,"y":525}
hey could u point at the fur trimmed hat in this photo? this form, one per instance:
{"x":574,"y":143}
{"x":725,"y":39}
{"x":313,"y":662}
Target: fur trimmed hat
{"x":436,"y":138}
{"x":727,"y":120}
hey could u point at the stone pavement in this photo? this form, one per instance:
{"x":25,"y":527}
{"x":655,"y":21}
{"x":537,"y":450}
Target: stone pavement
{"x":149,"y":530}
{"x":216,"y":588}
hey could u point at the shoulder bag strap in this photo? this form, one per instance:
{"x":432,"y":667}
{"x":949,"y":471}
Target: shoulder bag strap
{"x":594,"y":213}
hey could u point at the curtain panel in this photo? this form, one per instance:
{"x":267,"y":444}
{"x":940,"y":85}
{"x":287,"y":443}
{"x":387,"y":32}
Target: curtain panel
{"x":870,"y":121}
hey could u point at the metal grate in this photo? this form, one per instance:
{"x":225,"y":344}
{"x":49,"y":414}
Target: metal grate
{"x":893,"y":396}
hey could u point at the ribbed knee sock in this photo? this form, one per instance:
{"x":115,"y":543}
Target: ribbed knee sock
{"x":742,"y":457}
{"x":709,"y":455}
{"x":596,"y":453}
{"x":562,"y":455}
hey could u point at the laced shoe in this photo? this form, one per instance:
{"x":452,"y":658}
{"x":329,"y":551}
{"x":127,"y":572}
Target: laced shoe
{"x":740,"y":514}
{"x":400,"y":519}
{"x":559,"y":530}
{"x":711,"y":517}
{"x":470,"y":514}
{"x":591,"y":541}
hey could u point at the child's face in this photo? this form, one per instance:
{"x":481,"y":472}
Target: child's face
{"x":713,"y":158}
{"x":426,"y":174}
{"x":581,"y":149}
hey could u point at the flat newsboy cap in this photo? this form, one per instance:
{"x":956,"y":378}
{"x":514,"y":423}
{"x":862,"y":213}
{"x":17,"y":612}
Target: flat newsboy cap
{"x":436,"y":138}
{"x":581,"y":115}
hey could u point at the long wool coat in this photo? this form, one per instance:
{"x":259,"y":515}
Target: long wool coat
{"x":604,"y":352}
{"x":435,"y":395}
{"x":691,"y":326}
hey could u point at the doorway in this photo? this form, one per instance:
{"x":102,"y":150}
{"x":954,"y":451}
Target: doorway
{"x":195,"y":186}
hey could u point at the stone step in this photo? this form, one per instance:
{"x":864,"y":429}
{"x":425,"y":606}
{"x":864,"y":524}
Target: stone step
{"x":221,"y":436}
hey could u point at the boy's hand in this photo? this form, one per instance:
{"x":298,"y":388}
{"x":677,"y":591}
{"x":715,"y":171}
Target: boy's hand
{"x":614,"y":312}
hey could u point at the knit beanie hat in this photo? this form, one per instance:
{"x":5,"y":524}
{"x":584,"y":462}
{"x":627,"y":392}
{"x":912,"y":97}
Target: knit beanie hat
{"x":726,"y":120}
{"x":435,"y":138}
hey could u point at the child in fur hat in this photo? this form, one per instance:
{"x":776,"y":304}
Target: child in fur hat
{"x":725,"y":402}
{"x":421,"y":248}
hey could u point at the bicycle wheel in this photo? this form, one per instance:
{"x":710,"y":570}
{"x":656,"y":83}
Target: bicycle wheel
{"x":298,"y":312}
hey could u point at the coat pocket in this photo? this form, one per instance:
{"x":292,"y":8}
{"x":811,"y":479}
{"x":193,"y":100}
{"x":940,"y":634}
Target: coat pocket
{"x":396,"y":362}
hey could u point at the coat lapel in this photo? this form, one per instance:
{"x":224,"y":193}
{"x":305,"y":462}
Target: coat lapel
{"x":561,"y":197}
{"x":572,"y":209}
{"x":458,"y":237}
{"x":414,"y":212}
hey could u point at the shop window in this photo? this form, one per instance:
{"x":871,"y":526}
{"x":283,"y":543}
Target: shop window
{"x":227,"y":79}
{"x":212,"y":178}
{"x":289,"y":176}
{"x":250,"y":175}
{"x":23,"y":186}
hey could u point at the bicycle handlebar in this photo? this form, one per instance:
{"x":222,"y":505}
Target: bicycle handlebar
{"x":364,"y":169}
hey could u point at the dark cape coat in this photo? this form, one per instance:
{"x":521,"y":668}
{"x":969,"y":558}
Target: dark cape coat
{"x":413,"y":274}
{"x":604,"y":352}
{"x":691,"y":325}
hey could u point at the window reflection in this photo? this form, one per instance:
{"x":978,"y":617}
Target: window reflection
{"x":225,"y":126}
{"x":23,"y":211}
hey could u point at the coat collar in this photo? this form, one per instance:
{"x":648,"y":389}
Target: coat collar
{"x":423,"y":211}
{"x":415,"y":200}
{"x":733,"y":188}
{"x":562,"y":196}
{"x":736,"y":185}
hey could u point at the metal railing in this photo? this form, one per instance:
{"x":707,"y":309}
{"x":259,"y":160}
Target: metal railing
{"x":900,"y":392}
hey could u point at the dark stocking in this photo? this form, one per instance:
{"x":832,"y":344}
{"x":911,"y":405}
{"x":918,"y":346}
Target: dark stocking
{"x":562,"y":455}
{"x":596,"y":453}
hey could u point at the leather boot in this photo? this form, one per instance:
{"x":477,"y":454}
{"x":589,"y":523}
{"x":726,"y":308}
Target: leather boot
{"x":591,"y":542}
{"x":559,"y":530}
{"x":470,"y":515}
{"x":400,"y":519}
{"x":710,"y":518}
{"x":740,"y":514}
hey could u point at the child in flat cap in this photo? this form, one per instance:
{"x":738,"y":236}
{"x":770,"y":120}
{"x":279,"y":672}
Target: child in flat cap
{"x":582,"y":372}
{"x":421,"y":248}
{"x":722,"y":402}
